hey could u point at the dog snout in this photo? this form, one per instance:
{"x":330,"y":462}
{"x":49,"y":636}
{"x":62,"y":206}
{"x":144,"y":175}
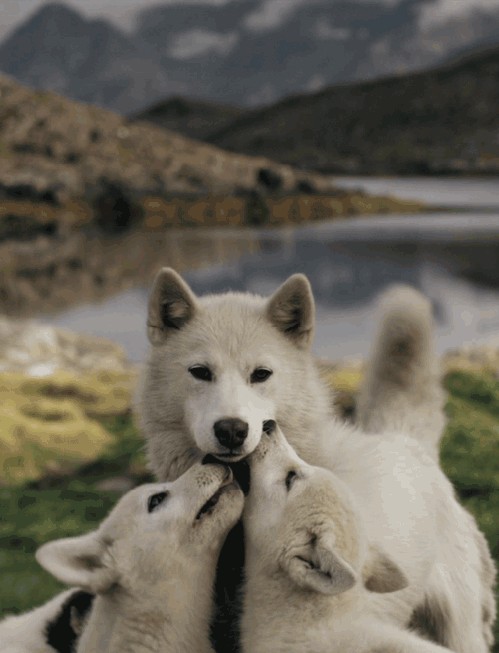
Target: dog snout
{"x":231,"y":432}
{"x":269,"y":426}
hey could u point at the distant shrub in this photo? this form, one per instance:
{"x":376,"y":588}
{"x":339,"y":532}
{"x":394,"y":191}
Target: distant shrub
{"x":257,"y":211}
{"x":269,"y":179}
{"x":115,"y":209}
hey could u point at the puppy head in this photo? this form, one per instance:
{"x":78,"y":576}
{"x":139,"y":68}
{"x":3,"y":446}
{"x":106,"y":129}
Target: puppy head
{"x":302,"y":522}
{"x":155,"y":532}
{"x":220,"y":364}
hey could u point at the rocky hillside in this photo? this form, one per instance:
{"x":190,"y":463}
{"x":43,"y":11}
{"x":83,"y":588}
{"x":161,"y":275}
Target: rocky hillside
{"x":54,"y":149}
{"x":441,"y":121}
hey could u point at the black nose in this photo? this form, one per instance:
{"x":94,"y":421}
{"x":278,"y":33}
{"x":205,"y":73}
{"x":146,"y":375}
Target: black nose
{"x":269,"y":426}
{"x":230,"y":432}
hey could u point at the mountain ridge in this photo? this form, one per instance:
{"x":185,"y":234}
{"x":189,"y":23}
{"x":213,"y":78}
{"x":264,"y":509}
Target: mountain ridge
{"x":442,"y":120}
{"x":227,"y":54}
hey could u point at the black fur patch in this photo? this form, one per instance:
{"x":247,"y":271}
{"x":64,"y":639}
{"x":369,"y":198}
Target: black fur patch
{"x":241,"y":472}
{"x":59,"y":632}
{"x":431,"y":620}
{"x":225,"y":631}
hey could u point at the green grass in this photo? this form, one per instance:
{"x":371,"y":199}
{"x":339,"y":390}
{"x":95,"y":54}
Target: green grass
{"x":58,"y":506}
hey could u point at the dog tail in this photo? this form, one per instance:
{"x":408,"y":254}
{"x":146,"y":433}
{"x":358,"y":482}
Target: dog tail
{"x":401,"y":389}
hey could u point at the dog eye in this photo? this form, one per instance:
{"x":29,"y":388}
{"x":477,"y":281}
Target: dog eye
{"x":260,"y":375}
{"x":156,"y":500}
{"x":290,"y":479}
{"x":201,"y":372}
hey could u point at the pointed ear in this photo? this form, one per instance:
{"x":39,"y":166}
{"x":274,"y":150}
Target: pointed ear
{"x":171,"y":305}
{"x":78,"y":562}
{"x":291,"y":309}
{"x":382,"y":575}
{"x":319,"y":568}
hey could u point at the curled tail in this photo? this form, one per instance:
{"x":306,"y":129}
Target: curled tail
{"x":402,"y":389}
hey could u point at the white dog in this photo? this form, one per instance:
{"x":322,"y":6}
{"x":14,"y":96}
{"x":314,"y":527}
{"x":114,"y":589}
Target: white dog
{"x":316,"y":581}
{"x":223,"y":366}
{"x":152,"y":565}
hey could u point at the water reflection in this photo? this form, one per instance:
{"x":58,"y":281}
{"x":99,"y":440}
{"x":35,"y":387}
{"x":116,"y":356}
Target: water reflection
{"x":347,"y":268}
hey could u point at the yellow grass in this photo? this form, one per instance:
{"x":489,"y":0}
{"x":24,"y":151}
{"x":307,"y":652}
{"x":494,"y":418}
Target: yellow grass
{"x":51,"y":425}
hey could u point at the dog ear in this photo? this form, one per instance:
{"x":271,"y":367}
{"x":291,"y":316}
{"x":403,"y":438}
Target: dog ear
{"x":316,"y":566}
{"x":291,"y":309}
{"x":382,"y":575}
{"x":171,"y":305}
{"x":78,"y":562}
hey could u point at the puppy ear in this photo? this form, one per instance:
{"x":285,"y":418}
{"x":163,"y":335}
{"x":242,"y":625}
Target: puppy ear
{"x":171,"y":305}
{"x":291,"y":309}
{"x":317,"y":567}
{"x":79,"y":562}
{"x":382,"y":575}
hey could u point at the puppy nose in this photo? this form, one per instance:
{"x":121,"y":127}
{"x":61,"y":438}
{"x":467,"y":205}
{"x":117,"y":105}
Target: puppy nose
{"x":231,"y":432}
{"x":269,"y":426}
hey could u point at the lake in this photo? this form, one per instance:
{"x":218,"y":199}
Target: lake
{"x":452,"y":257}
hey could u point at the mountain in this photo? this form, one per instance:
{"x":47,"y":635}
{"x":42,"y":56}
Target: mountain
{"x":193,"y":118}
{"x":443,"y":120}
{"x":88,"y":60}
{"x":237,"y":53}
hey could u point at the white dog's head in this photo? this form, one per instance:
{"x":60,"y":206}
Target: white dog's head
{"x":221,"y":365}
{"x":155,"y":533}
{"x":301,"y":522}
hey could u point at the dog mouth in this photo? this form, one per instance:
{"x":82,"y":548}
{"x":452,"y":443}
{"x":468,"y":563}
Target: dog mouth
{"x":232,"y":455}
{"x":209,"y":506}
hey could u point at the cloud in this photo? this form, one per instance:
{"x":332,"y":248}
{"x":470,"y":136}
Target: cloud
{"x":198,"y":42}
{"x":325,"y":31}
{"x":270,"y":14}
{"x":441,"y":10}
{"x":316,"y":83}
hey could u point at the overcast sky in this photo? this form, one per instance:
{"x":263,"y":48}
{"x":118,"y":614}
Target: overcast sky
{"x":122,"y":11}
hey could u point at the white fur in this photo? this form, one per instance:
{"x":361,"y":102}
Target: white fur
{"x":313,"y":579}
{"x":407,"y":502}
{"x":401,"y":390}
{"x":25,"y":633}
{"x":153,"y":572}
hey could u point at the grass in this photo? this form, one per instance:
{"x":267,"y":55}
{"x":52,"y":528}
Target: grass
{"x":54,"y":425}
{"x":49,"y":504}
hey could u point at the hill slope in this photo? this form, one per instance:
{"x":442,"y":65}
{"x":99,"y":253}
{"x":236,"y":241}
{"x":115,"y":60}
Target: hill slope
{"x":52,"y":148}
{"x":444,"y":120}
{"x":193,"y":118}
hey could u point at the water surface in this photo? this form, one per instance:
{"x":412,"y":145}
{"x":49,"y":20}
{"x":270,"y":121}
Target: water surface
{"x":452,"y":257}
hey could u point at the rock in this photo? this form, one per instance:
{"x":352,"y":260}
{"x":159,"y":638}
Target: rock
{"x":39,"y":350}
